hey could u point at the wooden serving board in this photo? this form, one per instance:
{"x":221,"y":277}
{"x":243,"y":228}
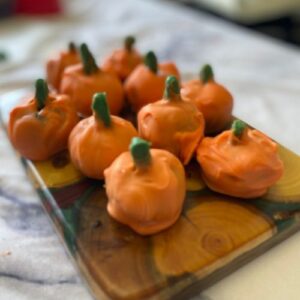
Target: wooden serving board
{"x":214,"y":236}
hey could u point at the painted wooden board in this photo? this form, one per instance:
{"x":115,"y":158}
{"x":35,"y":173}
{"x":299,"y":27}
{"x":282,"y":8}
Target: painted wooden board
{"x":214,"y":236}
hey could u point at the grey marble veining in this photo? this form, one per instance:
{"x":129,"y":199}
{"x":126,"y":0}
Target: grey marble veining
{"x":262,"y":74}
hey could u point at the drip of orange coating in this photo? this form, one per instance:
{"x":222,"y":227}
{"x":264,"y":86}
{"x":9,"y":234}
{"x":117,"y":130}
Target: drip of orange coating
{"x":56,"y":65}
{"x":123,"y":61}
{"x":211,"y":98}
{"x":145,"y":188}
{"x":240,"y":162}
{"x":97,"y":140}
{"x":82,"y":81}
{"x":147,"y":82}
{"x":40,"y":128}
{"x":172,"y":124}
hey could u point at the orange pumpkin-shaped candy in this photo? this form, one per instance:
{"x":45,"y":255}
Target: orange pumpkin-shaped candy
{"x":123,"y":61}
{"x":55,"y":66}
{"x":240,"y":162}
{"x":145,"y":188}
{"x":172,"y":124}
{"x":40,"y":128}
{"x":211,"y":98}
{"x":97,"y":140}
{"x":146,"y":83}
{"x":82,"y":81}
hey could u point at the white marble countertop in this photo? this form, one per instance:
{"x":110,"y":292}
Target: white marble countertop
{"x":263,"y":75}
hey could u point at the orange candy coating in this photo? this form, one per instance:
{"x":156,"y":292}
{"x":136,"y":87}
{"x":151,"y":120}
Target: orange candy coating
{"x":148,"y":199}
{"x":212,"y":99}
{"x":123,"y":61}
{"x":55,"y":66}
{"x":143,"y":86}
{"x":173,"y":125}
{"x":243,"y":167}
{"x":37,"y":135}
{"x":81,"y":88}
{"x":93,"y":145}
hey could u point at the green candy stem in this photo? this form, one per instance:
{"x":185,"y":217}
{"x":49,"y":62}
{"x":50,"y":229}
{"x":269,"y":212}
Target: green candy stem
{"x":172,"y":89}
{"x":88,"y":61}
{"x":72,"y":47}
{"x":150,"y":61}
{"x":206,"y":73}
{"x":238,"y":128}
{"x":140,"y":151}
{"x":41,"y":93}
{"x":101,"y":109}
{"x":129,"y":42}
